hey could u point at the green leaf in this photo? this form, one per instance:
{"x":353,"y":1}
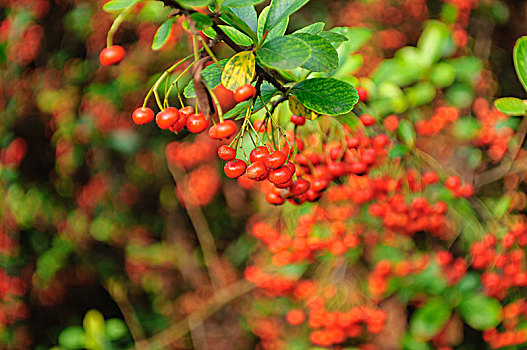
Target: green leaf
{"x":277,"y":31}
{"x":286,"y":52}
{"x":119,"y":5}
{"x":480,"y":312}
{"x":467,"y":68}
{"x":511,"y":106}
{"x":194,"y":3}
{"x":280,"y":9}
{"x":72,"y":338}
{"x":243,"y":19}
{"x":501,"y":207}
{"x":466,"y":128}
{"x":334,"y":38}
{"x":162,"y":34}
{"x":460,"y":94}
{"x":429,"y":319}
{"x":324,"y":57}
{"x":202,"y":21}
{"x":399,"y":151}
{"x":443,"y":74}
{"x":233,"y":33}
{"x":407,"y":132}
{"x":115,"y":329}
{"x":421,"y":93}
{"x":240,"y":3}
{"x":93,"y":323}
{"x":238,"y":71}
{"x":326,"y":95}
{"x":211,"y":77}
{"x":520,"y":60}
{"x":314,"y":28}
{"x":433,"y":41}
{"x":356,"y":37}
{"x":410,"y":343}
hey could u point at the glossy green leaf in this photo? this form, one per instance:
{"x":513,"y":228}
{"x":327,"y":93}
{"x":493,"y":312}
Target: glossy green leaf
{"x":407,"y":132}
{"x":194,"y":3}
{"x":335,"y":39}
{"x":314,"y":28}
{"x":72,"y":338}
{"x":119,"y":5}
{"x":356,"y":37}
{"x":428,"y":320}
{"x":211,"y":77}
{"x":511,"y":106}
{"x":202,"y":21}
{"x":239,"y":70}
{"x":281,"y":9}
{"x":277,"y":31}
{"x":326,"y":95}
{"x":520,"y":60}
{"x":286,"y":52}
{"x":163,"y":34}
{"x":243,"y":19}
{"x":233,"y":33}
{"x":240,"y":3}
{"x":248,"y":15}
{"x":324,"y":57}
{"x":480,"y":312}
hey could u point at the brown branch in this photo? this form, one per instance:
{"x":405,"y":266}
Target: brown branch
{"x":196,"y":318}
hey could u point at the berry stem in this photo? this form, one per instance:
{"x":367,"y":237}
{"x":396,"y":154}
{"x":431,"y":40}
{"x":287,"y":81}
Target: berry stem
{"x":218,"y":106}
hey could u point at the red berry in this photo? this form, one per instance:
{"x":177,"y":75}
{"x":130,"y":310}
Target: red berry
{"x":197,"y":123}
{"x":319,"y":184}
{"x":167,"y":117}
{"x":142,"y":115}
{"x":285,"y":184}
{"x":273,"y":198}
{"x":259,"y":153}
{"x":295,"y":317}
{"x":291,"y":167}
{"x":111,"y":55}
{"x":299,"y":187}
{"x":363,"y":93}
{"x":226,"y":153}
{"x":223,"y":130}
{"x":275,"y":160}
{"x":430,"y":177}
{"x":453,"y":182}
{"x":186,"y":111}
{"x":298,"y":120}
{"x":257,"y":171}
{"x":235,"y":168}
{"x":244,"y":92}
{"x":280,"y":175}
{"x":367,"y":119}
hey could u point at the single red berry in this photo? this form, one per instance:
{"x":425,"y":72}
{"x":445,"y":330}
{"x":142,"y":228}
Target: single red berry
{"x":244,"y":92}
{"x":257,"y":171}
{"x":367,"y":119}
{"x":226,"y":153}
{"x":273,"y":198}
{"x":142,"y":115}
{"x":235,"y":168}
{"x":295,"y":317}
{"x":186,"y":111}
{"x":363,"y":93}
{"x":430,"y":177}
{"x":167,"y":117}
{"x":358,"y":168}
{"x":223,"y":130}
{"x":259,"y":153}
{"x":453,"y":182}
{"x":298,"y":120}
{"x":313,"y":196}
{"x":319,"y":184}
{"x":291,"y":167}
{"x":285,"y":184}
{"x":299,"y":187}
{"x":111,"y":55}
{"x":275,"y":160}
{"x":280,"y":175}
{"x":197,"y":123}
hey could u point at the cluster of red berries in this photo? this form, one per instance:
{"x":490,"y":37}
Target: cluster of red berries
{"x":272,"y":284}
{"x":503,"y":261}
{"x":491,"y":135}
{"x":514,"y":314}
{"x":441,"y":118}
